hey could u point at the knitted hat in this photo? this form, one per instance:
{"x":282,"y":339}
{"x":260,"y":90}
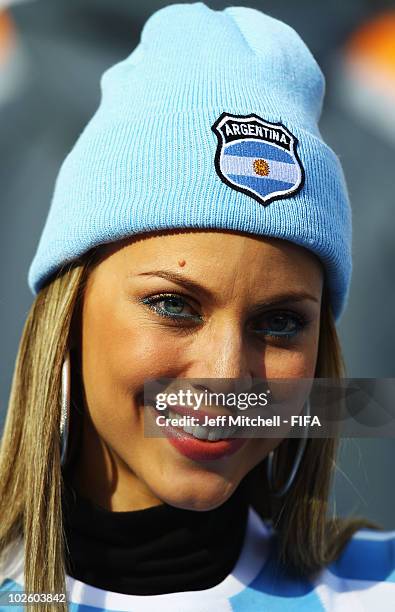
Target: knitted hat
{"x":211,"y":122}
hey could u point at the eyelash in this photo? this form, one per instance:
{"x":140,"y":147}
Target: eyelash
{"x":152,"y":301}
{"x":155,"y":299}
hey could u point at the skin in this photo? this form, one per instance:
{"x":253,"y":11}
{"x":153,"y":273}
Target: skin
{"x":227,"y":333}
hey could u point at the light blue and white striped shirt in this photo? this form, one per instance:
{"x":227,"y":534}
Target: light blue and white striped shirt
{"x":361,"y":580}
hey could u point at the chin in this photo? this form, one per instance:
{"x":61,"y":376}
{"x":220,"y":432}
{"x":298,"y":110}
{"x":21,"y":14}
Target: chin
{"x":208,"y":494}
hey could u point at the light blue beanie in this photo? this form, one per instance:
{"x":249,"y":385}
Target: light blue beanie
{"x":211,"y":122}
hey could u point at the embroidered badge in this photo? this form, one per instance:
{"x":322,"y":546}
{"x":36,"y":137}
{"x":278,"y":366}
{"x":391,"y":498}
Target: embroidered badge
{"x":257,"y":158}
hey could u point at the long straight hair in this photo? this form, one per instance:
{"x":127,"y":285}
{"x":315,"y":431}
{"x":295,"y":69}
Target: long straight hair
{"x":30,"y":471}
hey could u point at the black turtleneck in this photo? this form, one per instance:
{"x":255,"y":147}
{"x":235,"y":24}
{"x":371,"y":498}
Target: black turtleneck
{"x":158,"y":550}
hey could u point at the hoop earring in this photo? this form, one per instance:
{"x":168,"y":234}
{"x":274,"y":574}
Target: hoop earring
{"x":65,"y":409}
{"x":299,"y":454}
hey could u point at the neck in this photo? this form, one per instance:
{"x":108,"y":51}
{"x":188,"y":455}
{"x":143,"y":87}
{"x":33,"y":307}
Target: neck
{"x":161,"y":549}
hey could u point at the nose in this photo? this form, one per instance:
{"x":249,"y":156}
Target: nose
{"x":222,"y":354}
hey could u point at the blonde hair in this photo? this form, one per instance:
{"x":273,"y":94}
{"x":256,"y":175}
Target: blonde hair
{"x":30,"y":471}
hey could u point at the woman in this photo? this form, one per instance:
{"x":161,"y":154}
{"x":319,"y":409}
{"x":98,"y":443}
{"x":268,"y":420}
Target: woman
{"x":200,"y":228}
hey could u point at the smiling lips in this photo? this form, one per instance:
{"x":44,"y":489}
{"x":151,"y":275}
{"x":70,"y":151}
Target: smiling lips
{"x":198,"y":442}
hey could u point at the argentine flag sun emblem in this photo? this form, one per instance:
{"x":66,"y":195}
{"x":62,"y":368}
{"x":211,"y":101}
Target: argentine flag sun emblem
{"x":257,"y":158}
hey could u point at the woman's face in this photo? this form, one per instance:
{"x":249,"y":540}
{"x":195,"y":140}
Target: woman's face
{"x":186,"y":305}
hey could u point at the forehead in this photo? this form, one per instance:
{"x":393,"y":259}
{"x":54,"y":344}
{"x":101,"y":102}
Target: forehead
{"x":205,"y":244}
{"x":215,"y":257}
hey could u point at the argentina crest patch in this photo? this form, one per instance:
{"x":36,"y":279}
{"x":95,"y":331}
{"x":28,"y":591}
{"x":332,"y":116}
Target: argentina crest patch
{"x":257,"y":157}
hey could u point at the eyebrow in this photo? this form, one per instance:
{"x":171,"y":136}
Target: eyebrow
{"x":192,"y":285}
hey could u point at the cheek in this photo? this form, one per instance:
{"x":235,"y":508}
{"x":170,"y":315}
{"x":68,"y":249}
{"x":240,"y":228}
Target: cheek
{"x":293,"y":362}
{"x":290,"y":364}
{"x":119,"y":355}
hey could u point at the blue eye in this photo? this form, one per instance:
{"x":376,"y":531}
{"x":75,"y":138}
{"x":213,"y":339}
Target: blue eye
{"x":172,"y":306}
{"x":281,"y":325}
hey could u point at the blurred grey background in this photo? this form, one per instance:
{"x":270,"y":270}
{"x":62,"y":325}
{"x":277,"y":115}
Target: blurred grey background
{"x":52,"y":54}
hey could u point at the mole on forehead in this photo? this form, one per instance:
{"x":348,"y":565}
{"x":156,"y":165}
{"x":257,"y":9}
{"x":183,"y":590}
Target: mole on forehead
{"x":181,"y":263}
